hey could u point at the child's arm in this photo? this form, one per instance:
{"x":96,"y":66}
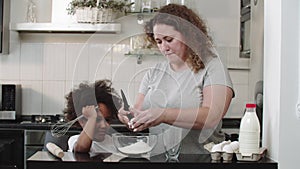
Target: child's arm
{"x":85,"y":139}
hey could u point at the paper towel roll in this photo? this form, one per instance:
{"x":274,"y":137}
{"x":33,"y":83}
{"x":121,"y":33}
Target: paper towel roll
{"x":55,"y":150}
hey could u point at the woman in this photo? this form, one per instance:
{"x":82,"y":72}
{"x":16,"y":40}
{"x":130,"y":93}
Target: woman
{"x":99,"y":104}
{"x":191,"y":90}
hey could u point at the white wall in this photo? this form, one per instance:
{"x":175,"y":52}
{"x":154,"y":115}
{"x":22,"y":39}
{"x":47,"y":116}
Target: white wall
{"x":47,"y":67}
{"x":272,"y":76}
{"x":19,"y":10}
{"x":257,"y":46}
{"x":281,"y":73}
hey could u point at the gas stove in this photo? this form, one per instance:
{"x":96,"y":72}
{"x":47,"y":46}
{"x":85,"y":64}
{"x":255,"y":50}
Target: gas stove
{"x":42,"y":119}
{"x":46,"y":118}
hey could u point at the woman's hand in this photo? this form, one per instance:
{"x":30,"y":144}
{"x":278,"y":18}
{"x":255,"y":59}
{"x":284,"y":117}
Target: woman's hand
{"x":147,"y":118}
{"x":123,"y":116}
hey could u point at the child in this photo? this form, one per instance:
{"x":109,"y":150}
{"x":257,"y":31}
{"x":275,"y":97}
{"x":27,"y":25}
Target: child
{"x":98,"y":103}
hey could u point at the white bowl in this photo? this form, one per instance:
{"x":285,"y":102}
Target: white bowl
{"x":134,"y":144}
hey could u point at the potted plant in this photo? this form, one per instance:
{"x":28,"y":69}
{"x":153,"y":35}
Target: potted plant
{"x":115,"y":5}
{"x":97,"y":10}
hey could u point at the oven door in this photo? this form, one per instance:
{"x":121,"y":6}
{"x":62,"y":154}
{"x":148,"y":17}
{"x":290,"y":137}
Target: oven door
{"x":34,"y":141}
{"x":12,"y":149}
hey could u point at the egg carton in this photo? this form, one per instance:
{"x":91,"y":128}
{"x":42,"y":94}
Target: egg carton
{"x":253,"y":156}
{"x":218,"y":155}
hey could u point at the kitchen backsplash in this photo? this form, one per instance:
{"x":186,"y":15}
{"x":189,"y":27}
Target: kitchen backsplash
{"x":47,"y":71}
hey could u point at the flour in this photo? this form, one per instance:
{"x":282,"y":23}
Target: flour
{"x":139,"y":147}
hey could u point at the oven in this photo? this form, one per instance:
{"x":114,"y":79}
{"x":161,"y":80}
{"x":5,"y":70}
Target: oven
{"x":36,"y":129}
{"x":37,"y":133}
{"x":11,"y":149}
{"x":33,"y":141}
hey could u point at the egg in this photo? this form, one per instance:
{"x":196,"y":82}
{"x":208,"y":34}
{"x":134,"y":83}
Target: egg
{"x":235,"y":145}
{"x":228,"y":148}
{"x":216,"y":148}
{"x":219,"y":147}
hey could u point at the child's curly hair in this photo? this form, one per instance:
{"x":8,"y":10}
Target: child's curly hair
{"x":92,"y":94}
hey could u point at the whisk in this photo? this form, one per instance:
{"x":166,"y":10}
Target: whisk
{"x":60,"y":129}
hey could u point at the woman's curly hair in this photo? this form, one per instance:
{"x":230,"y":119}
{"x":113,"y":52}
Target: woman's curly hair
{"x":92,"y":94}
{"x":191,"y":26}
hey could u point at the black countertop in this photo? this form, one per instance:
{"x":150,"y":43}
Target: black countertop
{"x":189,"y":161}
{"x":84,"y":161}
{"x":27,"y":124}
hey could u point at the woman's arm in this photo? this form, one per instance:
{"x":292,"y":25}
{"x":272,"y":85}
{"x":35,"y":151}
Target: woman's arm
{"x":139,"y":101}
{"x":216,"y":100}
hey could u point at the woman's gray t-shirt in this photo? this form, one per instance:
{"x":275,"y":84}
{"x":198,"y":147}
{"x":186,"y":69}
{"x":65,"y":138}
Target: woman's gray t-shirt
{"x":165,"y":88}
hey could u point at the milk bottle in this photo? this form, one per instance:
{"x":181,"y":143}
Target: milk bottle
{"x":249,"y":135}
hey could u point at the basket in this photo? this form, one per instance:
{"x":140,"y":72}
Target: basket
{"x":105,"y":15}
{"x":94,"y":15}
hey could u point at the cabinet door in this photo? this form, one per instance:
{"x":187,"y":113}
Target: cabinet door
{"x":4,"y":24}
{"x":12,"y":149}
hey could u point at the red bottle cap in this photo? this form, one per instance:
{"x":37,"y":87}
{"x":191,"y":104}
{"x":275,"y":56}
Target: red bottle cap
{"x":249,"y":105}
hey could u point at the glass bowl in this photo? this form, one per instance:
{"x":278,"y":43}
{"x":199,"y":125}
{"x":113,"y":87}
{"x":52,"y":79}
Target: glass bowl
{"x":134,"y":144}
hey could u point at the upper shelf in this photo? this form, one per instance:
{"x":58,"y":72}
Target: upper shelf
{"x":71,"y":28}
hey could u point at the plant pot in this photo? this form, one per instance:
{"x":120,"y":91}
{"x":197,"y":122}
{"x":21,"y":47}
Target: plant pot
{"x":86,"y":15}
{"x":95,"y":15}
{"x":104,"y":15}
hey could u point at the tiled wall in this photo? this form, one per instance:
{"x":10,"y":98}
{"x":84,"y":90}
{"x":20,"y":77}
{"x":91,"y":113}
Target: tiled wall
{"x":47,"y":71}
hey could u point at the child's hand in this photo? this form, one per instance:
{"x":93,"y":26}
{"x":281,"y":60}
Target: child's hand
{"x":89,"y":112}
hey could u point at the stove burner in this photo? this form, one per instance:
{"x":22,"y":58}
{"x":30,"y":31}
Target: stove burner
{"x":46,"y":118}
